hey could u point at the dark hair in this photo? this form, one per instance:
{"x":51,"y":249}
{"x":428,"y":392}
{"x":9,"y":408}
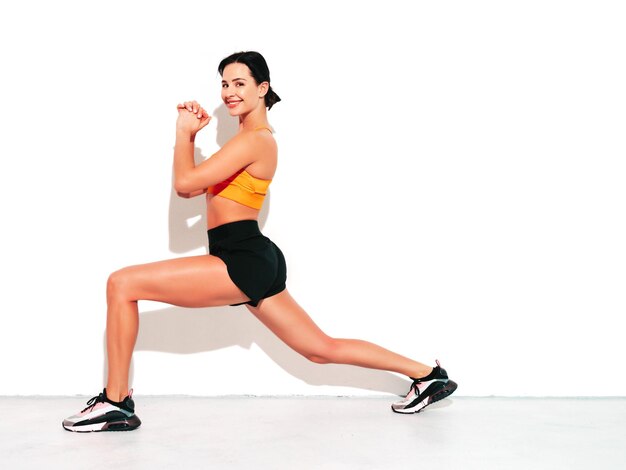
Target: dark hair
{"x":258,"y":68}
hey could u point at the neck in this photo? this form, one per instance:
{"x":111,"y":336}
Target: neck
{"x":254,"y":119}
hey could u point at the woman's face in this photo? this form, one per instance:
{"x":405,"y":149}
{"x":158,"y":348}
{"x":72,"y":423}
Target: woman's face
{"x":240,"y":92}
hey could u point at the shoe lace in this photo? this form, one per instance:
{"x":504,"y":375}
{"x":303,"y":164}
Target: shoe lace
{"x":93,"y":401}
{"x":415,"y":387}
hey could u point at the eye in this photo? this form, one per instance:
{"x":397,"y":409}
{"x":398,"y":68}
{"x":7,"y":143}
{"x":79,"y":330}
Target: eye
{"x":224,"y":85}
{"x":239,"y":83}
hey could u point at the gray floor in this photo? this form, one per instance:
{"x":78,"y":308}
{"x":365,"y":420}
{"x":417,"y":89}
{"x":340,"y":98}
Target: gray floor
{"x":322,"y":433}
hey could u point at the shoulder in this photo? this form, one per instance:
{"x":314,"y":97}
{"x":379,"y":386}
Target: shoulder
{"x":255,"y":141}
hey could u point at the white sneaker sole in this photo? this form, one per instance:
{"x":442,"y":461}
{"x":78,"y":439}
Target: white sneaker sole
{"x":447,"y":389}
{"x":123,"y":425}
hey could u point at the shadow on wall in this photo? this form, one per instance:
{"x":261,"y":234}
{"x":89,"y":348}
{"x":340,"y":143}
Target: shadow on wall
{"x":186,"y":331}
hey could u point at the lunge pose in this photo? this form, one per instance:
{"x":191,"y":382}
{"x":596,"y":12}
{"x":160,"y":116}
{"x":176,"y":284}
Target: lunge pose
{"x":243,"y":267}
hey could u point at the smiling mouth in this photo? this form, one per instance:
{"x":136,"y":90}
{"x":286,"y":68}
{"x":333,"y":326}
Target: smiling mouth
{"x":232,"y":104}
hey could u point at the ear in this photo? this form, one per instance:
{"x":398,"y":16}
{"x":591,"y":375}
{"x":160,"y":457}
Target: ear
{"x":263,"y":89}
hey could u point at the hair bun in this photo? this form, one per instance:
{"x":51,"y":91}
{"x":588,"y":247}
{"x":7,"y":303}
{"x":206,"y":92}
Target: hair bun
{"x":271,"y":98}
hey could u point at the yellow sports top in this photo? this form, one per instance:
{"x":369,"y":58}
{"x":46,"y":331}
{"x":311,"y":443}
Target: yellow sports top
{"x":244,"y":188}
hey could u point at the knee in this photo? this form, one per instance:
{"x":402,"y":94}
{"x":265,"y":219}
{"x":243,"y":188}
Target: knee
{"x":117,"y":284}
{"x":325,"y":352}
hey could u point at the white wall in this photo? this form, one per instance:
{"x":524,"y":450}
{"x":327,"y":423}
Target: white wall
{"x":451,"y":185}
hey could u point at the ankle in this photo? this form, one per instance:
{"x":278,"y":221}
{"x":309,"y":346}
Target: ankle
{"x":116,"y":394}
{"x":422,"y":372}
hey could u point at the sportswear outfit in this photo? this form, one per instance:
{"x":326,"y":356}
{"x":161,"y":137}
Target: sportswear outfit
{"x":255,"y":264}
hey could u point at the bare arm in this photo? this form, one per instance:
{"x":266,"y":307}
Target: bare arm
{"x":183,"y":159}
{"x":191,"y":118}
{"x":192,"y":194}
{"x":235,"y":155}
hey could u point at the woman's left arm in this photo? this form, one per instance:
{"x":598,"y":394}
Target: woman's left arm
{"x":191,"y":194}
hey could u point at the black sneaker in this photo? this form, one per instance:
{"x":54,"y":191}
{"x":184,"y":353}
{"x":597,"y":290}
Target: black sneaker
{"x":434,"y":387}
{"x":103,"y":414}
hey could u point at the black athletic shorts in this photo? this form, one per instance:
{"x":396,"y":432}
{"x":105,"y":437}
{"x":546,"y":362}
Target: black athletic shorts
{"x":255,"y":264}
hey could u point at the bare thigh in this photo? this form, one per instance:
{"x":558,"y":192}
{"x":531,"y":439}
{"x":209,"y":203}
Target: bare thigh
{"x":290,"y":322}
{"x":195,"y":281}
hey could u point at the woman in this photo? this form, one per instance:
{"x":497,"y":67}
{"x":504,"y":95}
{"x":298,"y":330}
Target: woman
{"x":243,"y":266}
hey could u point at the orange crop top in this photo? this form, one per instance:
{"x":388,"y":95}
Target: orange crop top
{"x":244,"y":188}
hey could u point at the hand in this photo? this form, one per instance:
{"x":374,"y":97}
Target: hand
{"x":191,"y":117}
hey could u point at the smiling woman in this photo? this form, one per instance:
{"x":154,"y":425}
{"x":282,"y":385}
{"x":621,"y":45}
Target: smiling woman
{"x":245,"y":64}
{"x":243,"y":266}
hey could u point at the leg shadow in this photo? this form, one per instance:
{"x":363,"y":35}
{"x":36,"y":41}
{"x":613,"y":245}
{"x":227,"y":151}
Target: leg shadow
{"x":188,"y":331}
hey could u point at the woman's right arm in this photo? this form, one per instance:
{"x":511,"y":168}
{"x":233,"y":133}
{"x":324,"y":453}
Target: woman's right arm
{"x":236,"y":154}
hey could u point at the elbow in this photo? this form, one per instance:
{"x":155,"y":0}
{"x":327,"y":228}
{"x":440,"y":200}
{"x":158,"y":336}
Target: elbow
{"x":182,"y":186}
